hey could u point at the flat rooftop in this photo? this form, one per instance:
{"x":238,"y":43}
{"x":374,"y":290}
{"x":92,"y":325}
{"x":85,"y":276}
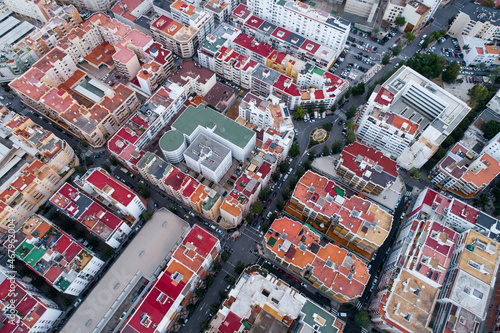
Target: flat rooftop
{"x":208,"y":118}
{"x":207,"y":152}
{"x":142,"y":257}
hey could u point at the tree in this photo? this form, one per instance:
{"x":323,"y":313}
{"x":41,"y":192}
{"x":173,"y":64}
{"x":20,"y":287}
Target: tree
{"x":347,"y":93}
{"x":410,"y":36}
{"x":88,"y":161}
{"x":312,"y":154}
{"x":249,"y":218}
{"x":285,"y":194}
{"x":482,"y":201}
{"x":294,"y":150}
{"x":337,"y":146}
{"x":144,"y":191}
{"x":375,"y":31}
{"x":359,"y":89}
{"x":448,"y":142}
{"x":426,"y":43}
{"x":276,"y":176}
{"x":284,"y":166}
{"x":362,"y":319}
{"x":214,"y":308}
{"x":386,"y":58}
{"x":204,"y":325}
{"x":326,"y":150}
{"x":222,"y":293}
{"x":199,"y":292}
{"x":224,"y":256}
{"x":108,"y":253}
{"x":280,"y":204}
{"x":147,"y":214}
{"x":451,"y":72}
{"x":477,"y":94}
{"x":299,"y":112}
{"x":311,"y":107}
{"x":328,"y":127}
{"x":230,"y":280}
{"x":400,"y":21}
{"x":209,"y":280}
{"x":350,"y":138}
{"x":240,"y":266}
{"x":351,"y":112}
{"x":190,"y":307}
{"x":172,"y":209}
{"x":273,"y":216}
{"x":106,"y":167}
{"x":257,"y":207}
{"x":265,"y":194}
{"x":217,"y":265}
{"x":491,"y":128}
{"x":429,"y":65}
{"x":113,"y":160}
{"x":396,"y":50}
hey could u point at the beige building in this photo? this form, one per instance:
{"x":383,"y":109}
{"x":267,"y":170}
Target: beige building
{"x":363,"y":8}
{"x":414,"y":12}
{"x":34,"y":164}
{"x":174,"y":36}
{"x":474,"y":27}
{"x":38,"y":10}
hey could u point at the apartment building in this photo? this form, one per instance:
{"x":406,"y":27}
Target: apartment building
{"x":130,"y":12}
{"x":103,"y":187}
{"x":409,"y":117}
{"x":34,"y":164}
{"x":476,"y":21}
{"x":218,"y":38}
{"x":366,"y":169}
{"x":157,"y":66}
{"x":193,"y":121}
{"x":186,"y":189}
{"x":38,"y":10}
{"x":415,"y":13}
{"x":267,"y":301}
{"x":195,"y":79}
{"x":63,"y":262}
{"x":174,"y":36}
{"x":105,"y":225}
{"x":172,"y":290}
{"x":193,"y":16}
{"x":477,"y":51}
{"x":231,"y":211}
{"x":266,"y":113}
{"x":92,"y":5}
{"x":32,"y":313}
{"x":333,"y":270}
{"x":354,"y":222}
{"x":469,"y":283}
{"x":319,"y":26}
{"x":220,"y":10}
{"x":128,"y":142}
{"x":365,"y":9}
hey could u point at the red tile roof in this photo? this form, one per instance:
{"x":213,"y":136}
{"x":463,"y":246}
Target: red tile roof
{"x":121,"y":193}
{"x":202,"y":240}
{"x":253,"y":45}
{"x":231,"y":323}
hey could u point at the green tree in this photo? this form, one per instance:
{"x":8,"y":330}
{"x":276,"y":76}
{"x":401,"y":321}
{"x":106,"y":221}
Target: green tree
{"x":106,"y":167}
{"x":400,"y":21}
{"x":172,"y":209}
{"x":311,"y":107}
{"x":429,"y":65}
{"x":410,"y":36}
{"x":396,"y":50}
{"x":214,"y":308}
{"x":375,"y":31}
{"x":350,"y":138}
{"x":265,"y":194}
{"x":326,"y":150}
{"x":230,"y":280}
{"x":249,"y":218}
{"x":362,"y":319}
{"x":88,"y":161}
{"x":351,"y":112}
{"x":200,"y":292}
{"x":273,"y":216}
{"x":284,"y":166}
{"x":312,"y":154}
{"x":224,"y":255}
{"x":294,"y":150}
{"x":299,"y":112}
{"x":491,"y":128}
{"x":217,"y":265}
{"x":209,"y":280}
{"x":222,"y":294}
{"x":482,"y":202}
{"x":239,"y":267}
{"x":448,"y":142}
{"x":425,"y":44}
{"x":147,"y":214}
{"x":285,"y":194}
{"x":337,"y":146}
{"x":358,"y":89}
{"x":347,"y":93}
{"x":190,"y":307}
{"x":477,"y":94}
{"x":451,"y":72}
{"x":280,"y":204}
{"x":276,"y":176}
{"x":328,"y":127}
{"x":144,"y":191}
{"x":108,"y":253}
{"x":113,"y":160}
{"x":204,"y":325}
{"x":264,"y":227}
{"x":257,"y":207}
{"x":386,"y":58}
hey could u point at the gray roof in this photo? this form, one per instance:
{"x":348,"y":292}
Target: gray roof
{"x":261,"y":72}
{"x":209,"y":153}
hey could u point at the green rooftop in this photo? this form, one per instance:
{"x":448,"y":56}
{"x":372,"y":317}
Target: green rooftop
{"x":23,"y":250}
{"x":318,"y":71}
{"x":214,"y":46}
{"x":63,"y":284}
{"x":171,"y":140}
{"x":210,"y":202}
{"x":206,"y":117}
{"x":34,"y":256}
{"x":311,"y":310}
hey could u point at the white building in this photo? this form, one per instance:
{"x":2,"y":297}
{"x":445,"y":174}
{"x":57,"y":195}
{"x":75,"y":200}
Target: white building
{"x":476,"y":21}
{"x":299,"y":17}
{"x":99,"y":184}
{"x":363,"y":8}
{"x":208,"y":157}
{"x":409,"y":117}
{"x":415,"y":13}
{"x":37,"y":10}
{"x":93,"y":5}
{"x":270,"y":113}
{"x":28,"y":299}
{"x":476,"y":51}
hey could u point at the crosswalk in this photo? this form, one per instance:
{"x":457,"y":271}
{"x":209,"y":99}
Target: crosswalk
{"x":364,"y":330}
{"x":358,"y":305}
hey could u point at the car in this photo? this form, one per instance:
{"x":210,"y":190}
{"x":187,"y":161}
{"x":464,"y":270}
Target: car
{"x":97,"y":156}
{"x":156,"y":205}
{"x":275,"y":194}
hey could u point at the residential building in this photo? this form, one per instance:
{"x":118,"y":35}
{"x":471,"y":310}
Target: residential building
{"x":272,"y":137}
{"x":188,"y":266}
{"x":319,"y":26}
{"x":34,"y":163}
{"x":195,"y":79}
{"x":208,"y":157}
{"x":231,"y":211}
{"x":33,"y":312}
{"x":193,"y":16}
{"x":476,"y":51}
{"x":38,"y":10}
{"x":469,"y":284}
{"x":476,"y":21}
{"x":92,"y":5}
{"x":366,"y":169}
{"x":193,"y":121}
{"x":220,"y":10}
{"x":130,"y":12}
{"x":158,"y":65}
{"x":174,"y":36}
{"x":63,"y":262}
{"x":128,"y":142}
{"x":265,"y":301}
{"x":233,"y":66}
{"x":333,"y":270}
{"x":354,"y":222}
{"x":409,"y":117}
{"x":214,"y":41}
{"x":415,"y":12}
{"x":220,"y":97}
{"x":184,"y":188}
{"x":103,"y":187}
{"x":266,"y":113}
{"x":105,"y":225}
{"x":364,"y":9}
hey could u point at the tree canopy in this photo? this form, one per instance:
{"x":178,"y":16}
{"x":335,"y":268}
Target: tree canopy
{"x":299,"y":112}
{"x":429,"y":65}
{"x":451,"y":72}
{"x":477,"y":94}
{"x":358,"y":89}
{"x":400,"y":21}
{"x":410,"y":36}
{"x":491,"y":128}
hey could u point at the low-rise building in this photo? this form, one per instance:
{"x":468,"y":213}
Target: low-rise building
{"x":32,"y":313}
{"x":194,"y":79}
{"x":415,"y":13}
{"x":263,"y":300}
{"x":220,"y":97}
{"x":333,"y":270}
{"x":56,"y":256}
{"x":366,"y":169}
{"x":112,"y":193}
{"x":188,"y":266}
{"x":409,"y":117}
{"x":105,"y":225}
{"x":266,"y":113}
{"x":354,"y":222}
